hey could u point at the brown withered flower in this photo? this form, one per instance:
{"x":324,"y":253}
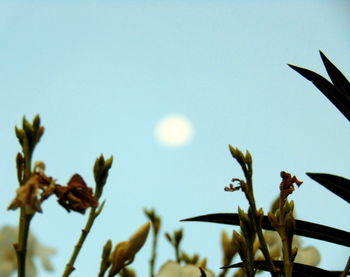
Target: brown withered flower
{"x":287,"y":185}
{"x":30,"y":195}
{"x":76,"y":196}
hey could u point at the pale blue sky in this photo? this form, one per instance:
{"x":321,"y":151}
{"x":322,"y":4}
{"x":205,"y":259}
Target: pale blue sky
{"x":101,"y":74}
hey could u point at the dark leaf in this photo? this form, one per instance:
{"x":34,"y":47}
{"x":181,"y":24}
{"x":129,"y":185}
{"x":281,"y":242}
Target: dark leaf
{"x":299,"y":270}
{"x":336,"y":184}
{"x":303,"y":228}
{"x":333,"y":94}
{"x":338,"y":79}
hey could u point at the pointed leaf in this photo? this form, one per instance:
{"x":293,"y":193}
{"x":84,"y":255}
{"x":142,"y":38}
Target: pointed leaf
{"x":299,"y":270}
{"x":337,"y":77}
{"x":333,"y":94}
{"x":303,"y":228}
{"x":336,"y":184}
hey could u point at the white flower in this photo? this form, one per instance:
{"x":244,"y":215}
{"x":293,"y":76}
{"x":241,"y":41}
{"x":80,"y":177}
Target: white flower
{"x":8,"y":260}
{"x":173,"y":269}
{"x":308,"y":255}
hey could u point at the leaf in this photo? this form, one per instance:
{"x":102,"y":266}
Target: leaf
{"x":336,"y":96}
{"x":299,"y":270}
{"x":303,"y":228}
{"x":336,"y":184}
{"x":338,"y":79}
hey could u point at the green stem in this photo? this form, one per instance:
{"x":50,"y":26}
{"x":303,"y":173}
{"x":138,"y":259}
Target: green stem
{"x":286,"y":248}
{"x":24,"y":223}
{"x":21,"y":246}
{"x":250,"y":260}
{"x":261,"y":237}
{"x":153,"y":257}
{"x":102,"y":272}
{"x":84,"y":233}
{"x":177,"y":254}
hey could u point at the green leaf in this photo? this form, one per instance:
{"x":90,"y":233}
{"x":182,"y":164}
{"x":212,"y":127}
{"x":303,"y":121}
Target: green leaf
{"x":335,"y":95}
{"x":302,"y":228}
{"x":336,"y":184}
{"x":338,"y":79}
{"x":299,"y":270}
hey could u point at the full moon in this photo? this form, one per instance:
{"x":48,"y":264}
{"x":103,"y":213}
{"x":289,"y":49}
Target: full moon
{"x":174,"y":131}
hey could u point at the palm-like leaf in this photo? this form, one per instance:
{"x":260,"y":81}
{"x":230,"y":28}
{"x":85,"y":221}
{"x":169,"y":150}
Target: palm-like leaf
{"x":303,"y":228}
{"x":299,"y":270}
{"x":337,"y":92}
{"x":336,"y":184}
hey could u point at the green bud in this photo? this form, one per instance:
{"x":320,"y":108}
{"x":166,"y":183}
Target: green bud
{"x":248,"y":158}
{"x":259,"y":215}
{"x":185,"y":258}
{"x":20,"y":166}
{"x":238,"y":241}
{"x":291,"y":204}
{"x":178,"y":236}
{"x":101,"y":169}
{"x":290,"y":227}
{"x":294,"y":253}
{"x":27,"y":127}
{"x":273,"y":220}
{"x":105,"y":263}
{"x":275,"y":205}
{"x":240,"y":245}
{"x":107,"y":249}
{"x":247,"y":227}
{"x":195,"y":259}
{"x":155,"y":220}
{"x":20,"y":135}
{"x":168,"y":237}
{"x":36,"y":122}
{"x":288,"y":207}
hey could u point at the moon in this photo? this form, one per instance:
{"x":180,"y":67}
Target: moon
{"x":174,"y":131}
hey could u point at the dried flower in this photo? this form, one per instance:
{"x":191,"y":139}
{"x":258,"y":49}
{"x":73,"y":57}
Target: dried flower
{"x":76,"y":196}
{"x":231,"y":187}
{"x":8,"y":261}
{"x":28,"y":195}
{"x":287,"y":184}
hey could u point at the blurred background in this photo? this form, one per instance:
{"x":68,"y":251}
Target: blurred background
{"x":118,"y":77}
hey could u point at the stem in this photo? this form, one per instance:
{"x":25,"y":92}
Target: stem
{"x":24,"y":223}
{"x":84,"y":232}
{"x":21,"y":246}
{"x":177,"y":254}
{"x":153,"y":257}
{"x":250,"y":260}
{"x":288,"y":266}
{"x":261,"y":237}
{"x":102,"y":273}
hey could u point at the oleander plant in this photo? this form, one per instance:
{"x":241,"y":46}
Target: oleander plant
{"x":265,"y":242}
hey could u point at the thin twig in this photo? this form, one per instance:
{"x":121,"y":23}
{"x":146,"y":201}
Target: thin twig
{"x":84,"y":233}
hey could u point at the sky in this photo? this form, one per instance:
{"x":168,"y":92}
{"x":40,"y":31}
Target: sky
{"x":103,"y":74}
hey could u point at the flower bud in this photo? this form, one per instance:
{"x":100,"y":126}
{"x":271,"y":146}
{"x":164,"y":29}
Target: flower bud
{"x":137,"y":240}
{"x":125,"y":251}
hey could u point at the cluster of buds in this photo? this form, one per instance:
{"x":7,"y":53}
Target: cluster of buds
{"x":155,"y":220}
{"x":101,"y":169}
{"x":28,"y":136}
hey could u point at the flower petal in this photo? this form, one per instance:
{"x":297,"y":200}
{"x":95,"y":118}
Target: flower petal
{"x":309,"y":256}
